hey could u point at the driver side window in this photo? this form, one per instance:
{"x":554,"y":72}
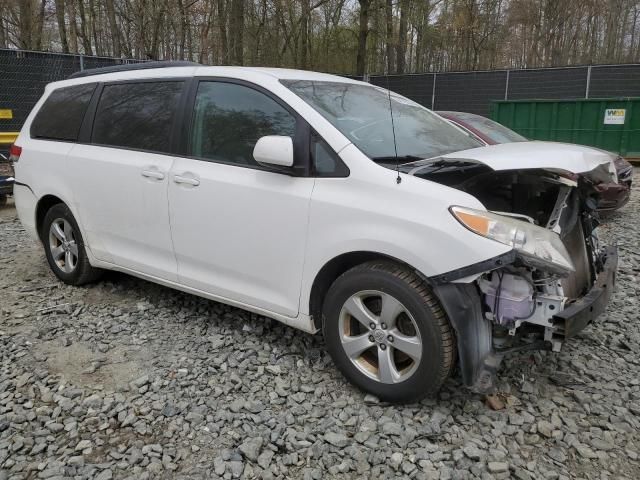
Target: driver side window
{"x":228,"y":120}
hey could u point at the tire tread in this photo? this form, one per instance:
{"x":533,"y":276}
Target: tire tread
{"x":413,"y":281}
{"x":86,"y":273}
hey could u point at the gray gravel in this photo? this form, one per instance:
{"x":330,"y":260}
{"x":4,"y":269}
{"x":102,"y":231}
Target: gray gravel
{"x":126,"y":379}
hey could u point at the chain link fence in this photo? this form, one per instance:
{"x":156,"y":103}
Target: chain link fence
{"x":24,"y":74}
{"x":474,"y":91}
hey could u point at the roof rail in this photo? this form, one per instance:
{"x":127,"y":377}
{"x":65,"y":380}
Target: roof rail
{"x":133,"y":66}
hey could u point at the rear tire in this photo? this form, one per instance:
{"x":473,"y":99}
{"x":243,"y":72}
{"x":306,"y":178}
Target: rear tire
{"x":387,"y":332}
{"x":3,"y":200}
{"x":64,"y":247}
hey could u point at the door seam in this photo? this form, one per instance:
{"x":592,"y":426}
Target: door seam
{"x":306,"y":246}
{"x":173,"y":248}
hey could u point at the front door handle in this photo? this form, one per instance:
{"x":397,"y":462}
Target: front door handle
{"x":186,"y":180}
{"x":153,"y":174}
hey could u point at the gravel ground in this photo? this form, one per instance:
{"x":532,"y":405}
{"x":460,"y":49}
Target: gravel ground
{"x":130,"y":379}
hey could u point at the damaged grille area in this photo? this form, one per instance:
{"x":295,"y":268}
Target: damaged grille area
{"x":523,"y":300}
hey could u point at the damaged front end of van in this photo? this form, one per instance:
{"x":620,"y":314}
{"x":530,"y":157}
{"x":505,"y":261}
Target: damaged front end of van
{"x":555,"y":280}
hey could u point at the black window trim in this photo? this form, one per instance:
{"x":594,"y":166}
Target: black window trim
{"x":86,"y":131}
{"x":301,"y":140}
{"x":182,"y":124}
{"x":96,"y":85}
{"x":316,"y":137}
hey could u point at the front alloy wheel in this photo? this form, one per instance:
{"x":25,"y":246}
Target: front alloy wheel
{"x":380,"y":336}
{"x":387,"y":333}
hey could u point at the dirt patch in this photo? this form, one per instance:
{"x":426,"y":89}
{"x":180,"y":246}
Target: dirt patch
{"x":81,"y":365}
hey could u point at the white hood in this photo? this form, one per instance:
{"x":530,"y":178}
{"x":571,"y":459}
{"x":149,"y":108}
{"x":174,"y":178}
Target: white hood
{"x":552,"y":156}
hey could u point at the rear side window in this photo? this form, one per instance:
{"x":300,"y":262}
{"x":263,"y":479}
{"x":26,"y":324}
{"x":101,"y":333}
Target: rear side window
{"x":61,"y":115}
{"x":137,"y":115}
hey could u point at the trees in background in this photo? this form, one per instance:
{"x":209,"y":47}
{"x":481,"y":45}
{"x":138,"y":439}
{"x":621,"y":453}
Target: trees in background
{"x":343,"y":36}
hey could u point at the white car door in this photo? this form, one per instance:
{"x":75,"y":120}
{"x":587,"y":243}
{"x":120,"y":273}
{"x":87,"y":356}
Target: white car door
{"x":120,"y":184}
{"x":239,"y":230}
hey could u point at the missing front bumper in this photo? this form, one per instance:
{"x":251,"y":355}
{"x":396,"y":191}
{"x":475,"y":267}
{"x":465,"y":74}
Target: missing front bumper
{"x":575,"y":317}
{"x":479,"y":360}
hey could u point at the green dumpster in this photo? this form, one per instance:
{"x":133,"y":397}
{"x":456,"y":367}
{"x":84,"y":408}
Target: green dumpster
{"x":609,"y":123}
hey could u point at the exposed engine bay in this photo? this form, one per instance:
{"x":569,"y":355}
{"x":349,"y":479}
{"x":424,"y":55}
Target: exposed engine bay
{"x":523,"y":300}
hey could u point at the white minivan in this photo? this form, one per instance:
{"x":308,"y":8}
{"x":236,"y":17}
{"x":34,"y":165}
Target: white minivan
{"x":322,"y":202}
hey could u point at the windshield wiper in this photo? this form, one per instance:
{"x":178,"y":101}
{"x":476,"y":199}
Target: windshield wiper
{"x":442,"y":164}
{"x":399,"y":158}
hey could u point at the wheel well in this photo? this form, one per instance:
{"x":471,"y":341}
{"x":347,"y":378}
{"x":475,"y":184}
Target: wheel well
{"x":44,"y":204}
{"x":331,"y":271}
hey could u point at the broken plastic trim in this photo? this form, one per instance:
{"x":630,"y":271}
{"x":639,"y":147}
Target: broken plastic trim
{"x":478,"y":361}
{"x":574,"y":318}
{"x":480,"y":267}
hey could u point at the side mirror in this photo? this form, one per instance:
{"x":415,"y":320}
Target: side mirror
{"x":274,"y":150}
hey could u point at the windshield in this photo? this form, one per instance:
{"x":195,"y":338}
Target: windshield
{"x":362,"y":114}
{"x":496,"y":132}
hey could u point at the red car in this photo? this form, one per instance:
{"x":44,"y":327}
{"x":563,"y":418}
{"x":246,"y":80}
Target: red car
{"x":612,"y":195}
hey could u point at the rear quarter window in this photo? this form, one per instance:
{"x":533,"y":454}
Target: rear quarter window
{"x":61,"y":115}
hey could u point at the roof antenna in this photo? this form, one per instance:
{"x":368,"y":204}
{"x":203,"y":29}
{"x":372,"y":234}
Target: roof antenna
{"x":393,"y":130}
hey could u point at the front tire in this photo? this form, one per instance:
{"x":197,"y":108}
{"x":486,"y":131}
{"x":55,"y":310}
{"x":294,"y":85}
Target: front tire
{"x":387,"y":333}
{"x":64,"y":247}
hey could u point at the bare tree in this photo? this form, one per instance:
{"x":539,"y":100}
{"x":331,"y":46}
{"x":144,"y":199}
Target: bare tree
{"x":363,"y":33}
{"x":113,"y":27}
{"x":388,"y":14}
{"x":335,"y":35}
{"x":402,"y":35}
{"x":237,"y":31}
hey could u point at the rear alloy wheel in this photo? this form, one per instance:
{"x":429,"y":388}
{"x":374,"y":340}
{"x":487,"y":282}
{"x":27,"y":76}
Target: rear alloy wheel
{"x":64,"y":247}
{"x":387,"y":333}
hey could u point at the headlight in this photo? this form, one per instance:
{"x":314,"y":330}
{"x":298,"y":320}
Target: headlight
{"x":537,"y":246}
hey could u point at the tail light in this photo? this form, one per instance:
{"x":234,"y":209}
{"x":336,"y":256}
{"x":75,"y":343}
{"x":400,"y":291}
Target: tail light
{"x":14,"y":153}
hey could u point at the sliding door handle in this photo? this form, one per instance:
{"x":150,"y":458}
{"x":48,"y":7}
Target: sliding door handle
{"x":155,"y":174}
{"x":186,"y":180}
